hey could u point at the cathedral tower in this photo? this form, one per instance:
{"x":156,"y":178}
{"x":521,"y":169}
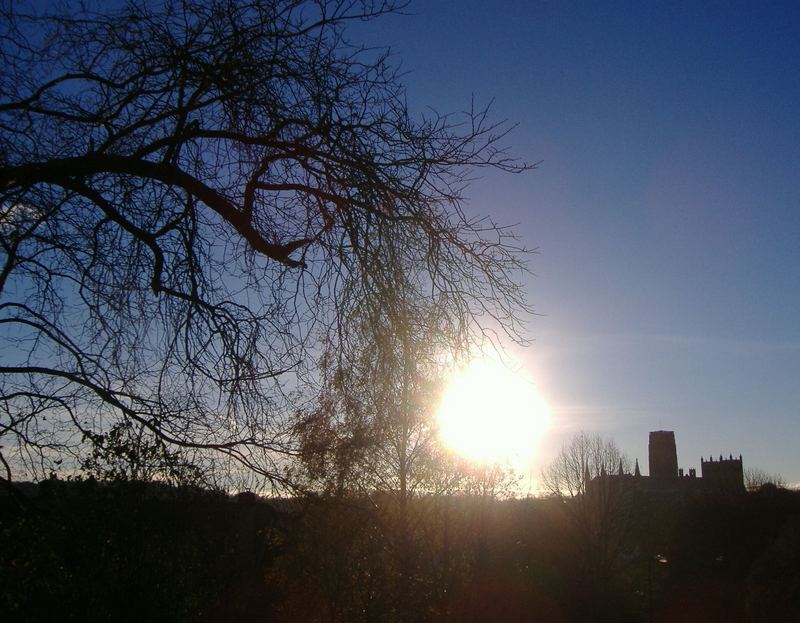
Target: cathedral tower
{"x":663,"y":455}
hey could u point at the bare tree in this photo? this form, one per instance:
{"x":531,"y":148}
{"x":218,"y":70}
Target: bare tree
{"x":755,"y":478}
{"x":194,"y":195}
{"x":372,"y":434}
{"x":589,"y":476}
{"x":373,"y":427}
{"x":371,"y":442}
{"x":582,"y":459}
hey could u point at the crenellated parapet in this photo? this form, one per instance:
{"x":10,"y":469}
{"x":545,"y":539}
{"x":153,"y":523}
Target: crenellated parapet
{"x":724,"y":473}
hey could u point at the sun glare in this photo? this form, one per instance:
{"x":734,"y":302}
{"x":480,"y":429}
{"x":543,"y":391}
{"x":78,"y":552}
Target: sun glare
{"x":491,"y":414}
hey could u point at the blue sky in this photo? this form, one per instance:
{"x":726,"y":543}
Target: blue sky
{"x":665,"y":209}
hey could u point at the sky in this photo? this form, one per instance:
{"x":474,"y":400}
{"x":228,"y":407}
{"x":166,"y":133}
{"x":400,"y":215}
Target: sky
{"x":665,"y":209}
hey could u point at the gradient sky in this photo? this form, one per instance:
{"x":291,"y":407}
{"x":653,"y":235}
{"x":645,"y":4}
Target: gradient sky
{"x":665,"y":209}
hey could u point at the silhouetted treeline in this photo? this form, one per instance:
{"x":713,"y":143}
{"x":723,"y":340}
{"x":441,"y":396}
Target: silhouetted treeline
{"x":89,"y":551}
{"x":127,"y":551}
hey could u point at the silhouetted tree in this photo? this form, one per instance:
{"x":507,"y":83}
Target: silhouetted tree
{"x":373,"y":428}
{"x":371,"y":442}
{"x":126,"y":452}
{"x":194,"y":195}
{"x":584,"y":476}
{"x":755,"y":478}
{"x":372,"y":435}
{"x":581,"y":460}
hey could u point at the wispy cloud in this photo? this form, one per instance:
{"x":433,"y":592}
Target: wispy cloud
{"x":575,"y":417}
{"x":721,"y":343}
{"x":694,"y":342}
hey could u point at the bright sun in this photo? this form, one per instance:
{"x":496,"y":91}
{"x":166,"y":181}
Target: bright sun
{"x":491,"y":414}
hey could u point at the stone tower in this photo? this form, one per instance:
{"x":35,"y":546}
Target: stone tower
{"x":725,"y":474}
{"x":663,"y":455}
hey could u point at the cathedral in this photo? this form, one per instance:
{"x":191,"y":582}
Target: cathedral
{"x":723,"y":475}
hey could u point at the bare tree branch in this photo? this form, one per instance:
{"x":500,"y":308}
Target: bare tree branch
{"x":195,"y":196}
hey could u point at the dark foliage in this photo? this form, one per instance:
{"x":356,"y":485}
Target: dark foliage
{"x":128,"y":551}
{"x":135,"y":551}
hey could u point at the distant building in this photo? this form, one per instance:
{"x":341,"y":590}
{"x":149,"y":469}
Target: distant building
{"x":724,"y":475}
{"x":663,"y":454}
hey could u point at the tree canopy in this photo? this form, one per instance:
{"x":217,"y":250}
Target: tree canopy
{"x":194,"y":196}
